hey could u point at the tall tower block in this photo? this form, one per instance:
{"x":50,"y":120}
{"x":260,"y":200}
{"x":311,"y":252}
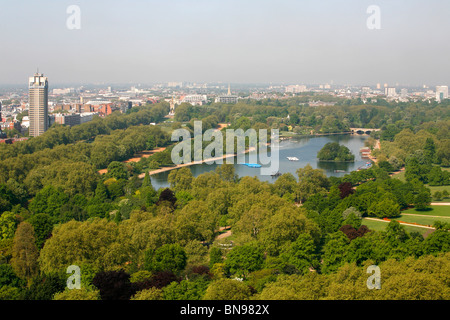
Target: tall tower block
{"x":38,"y":100}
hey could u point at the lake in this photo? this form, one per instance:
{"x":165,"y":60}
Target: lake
{"x":304,"y":148}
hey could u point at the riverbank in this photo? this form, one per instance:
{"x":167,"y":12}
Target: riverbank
{"x":148,"y":153}
{"x":137,"y":157}
{"x":165,"y":169}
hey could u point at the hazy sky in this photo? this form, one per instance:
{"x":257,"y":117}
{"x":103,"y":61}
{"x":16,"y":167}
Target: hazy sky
{"x":240,"y":41}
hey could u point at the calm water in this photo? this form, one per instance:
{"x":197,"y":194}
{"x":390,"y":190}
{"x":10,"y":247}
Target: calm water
{"x":305,"y":149}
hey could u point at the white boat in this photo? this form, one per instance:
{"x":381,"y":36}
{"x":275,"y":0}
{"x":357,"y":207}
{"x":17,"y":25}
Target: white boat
{"x":292,"y":158}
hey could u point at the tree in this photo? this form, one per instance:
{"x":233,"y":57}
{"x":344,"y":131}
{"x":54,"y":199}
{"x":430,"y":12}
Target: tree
{"x":227,"y":289}
{"x":49,"y":200}
{"x":437,"y":242}
{"x":78,"y":294}
{"x":422,"y":200}
{"x":180,"y":179}
{"x":25,"y":253}
{"x":352,"y":217}
{"x":8,"y":277}
{"x":334,"y":252}
{"x":95,"y":242}
{"x":311,"y":181}
{"x":286,"y":183}
{"x":227,"y":172}
{"x":396,"y":233}
{"x":332,"y":151}
{"x":215,"y":256}
{"x":429,"y":150}
{"x":349,"y":231}
{"x":283,"y":228}
{"x":167,"y":196}
{"x":386,"y":165}
{"x":437,"y":195}
{"x":244,"y":259}
{"x":45,"y":286}
{"x":385,"y":208}
{"x":301,"y":253}
{"x":195,"y":222}
{"x":346,"y":189}
{"x":147,"y":181}
{"x":113,"y":285}
{"x":186,"y":289}
{"x":169,"y":257}
{"x":8,"y":225}
{"x":149,"y":294}
{"x":43,"y":225}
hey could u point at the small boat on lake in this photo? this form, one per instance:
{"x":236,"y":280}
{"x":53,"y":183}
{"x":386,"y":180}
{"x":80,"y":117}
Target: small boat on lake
{"x":292,"y":158}
{"x":276,"y":174}
{"x":252,"y":165}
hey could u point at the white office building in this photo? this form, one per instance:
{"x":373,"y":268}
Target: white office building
{"x":441,"y":93}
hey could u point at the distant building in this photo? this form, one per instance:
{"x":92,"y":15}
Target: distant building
{"x":104,"y":110}
{"x":38,"y":100}
{"x":390,"y":92}
{"x":63,"y":91}
{"x":403,"y":92}
{"x":196,"y":99}
{"x":98,"y":102}
{"x":67,"y":119}
{"x":441,"y":93}
{"x":229,"y":98}
{"x":174,"y":84}
{"x":87,"y":116}
{"x":295,"y":88}
{"x":125,"y":106}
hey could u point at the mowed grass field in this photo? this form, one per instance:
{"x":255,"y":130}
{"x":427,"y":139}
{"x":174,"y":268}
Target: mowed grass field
{"x":433,"y":189}
{"x":426,"y":217}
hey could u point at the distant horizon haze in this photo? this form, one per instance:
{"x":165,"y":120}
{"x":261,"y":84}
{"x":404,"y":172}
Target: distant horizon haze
{"x":284,"y":41}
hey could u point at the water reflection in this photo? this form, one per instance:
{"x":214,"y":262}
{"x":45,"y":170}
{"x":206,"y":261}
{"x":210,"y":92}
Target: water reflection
{"x":305,"y":149}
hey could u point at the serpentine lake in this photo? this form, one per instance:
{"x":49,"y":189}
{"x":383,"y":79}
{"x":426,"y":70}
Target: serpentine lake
{"x":303,"y":148}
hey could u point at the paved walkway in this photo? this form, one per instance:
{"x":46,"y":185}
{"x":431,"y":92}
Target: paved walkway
{"x":403,"y":223}
{"x":423,"y":215}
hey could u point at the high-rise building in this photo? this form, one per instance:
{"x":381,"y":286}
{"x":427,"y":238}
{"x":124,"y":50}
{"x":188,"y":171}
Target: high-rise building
{"x":390,"y":92}
{"x":38,"y":100}
{"x":441,"y":93}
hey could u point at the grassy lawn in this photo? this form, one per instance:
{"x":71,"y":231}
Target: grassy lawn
{"x":433,"y":211}
{"x":381,"y":225}
{"x":427,"y":221}
{"x":425,"y":218}
{"x":433,"y":189}
{"x":400,"y":176}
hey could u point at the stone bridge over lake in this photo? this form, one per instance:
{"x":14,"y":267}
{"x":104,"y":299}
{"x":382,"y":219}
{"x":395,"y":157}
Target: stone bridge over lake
{"x":363,"y":130}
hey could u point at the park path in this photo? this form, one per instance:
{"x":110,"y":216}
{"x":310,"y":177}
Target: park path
{"x":225,"y":234}
{"x":403,"y":223}
{"x":423,"y":215}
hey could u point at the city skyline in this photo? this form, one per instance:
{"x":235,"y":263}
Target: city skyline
{"x":288,"y":42}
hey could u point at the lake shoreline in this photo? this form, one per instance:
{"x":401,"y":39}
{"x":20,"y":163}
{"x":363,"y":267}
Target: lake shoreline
{"x":165,"y":169}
